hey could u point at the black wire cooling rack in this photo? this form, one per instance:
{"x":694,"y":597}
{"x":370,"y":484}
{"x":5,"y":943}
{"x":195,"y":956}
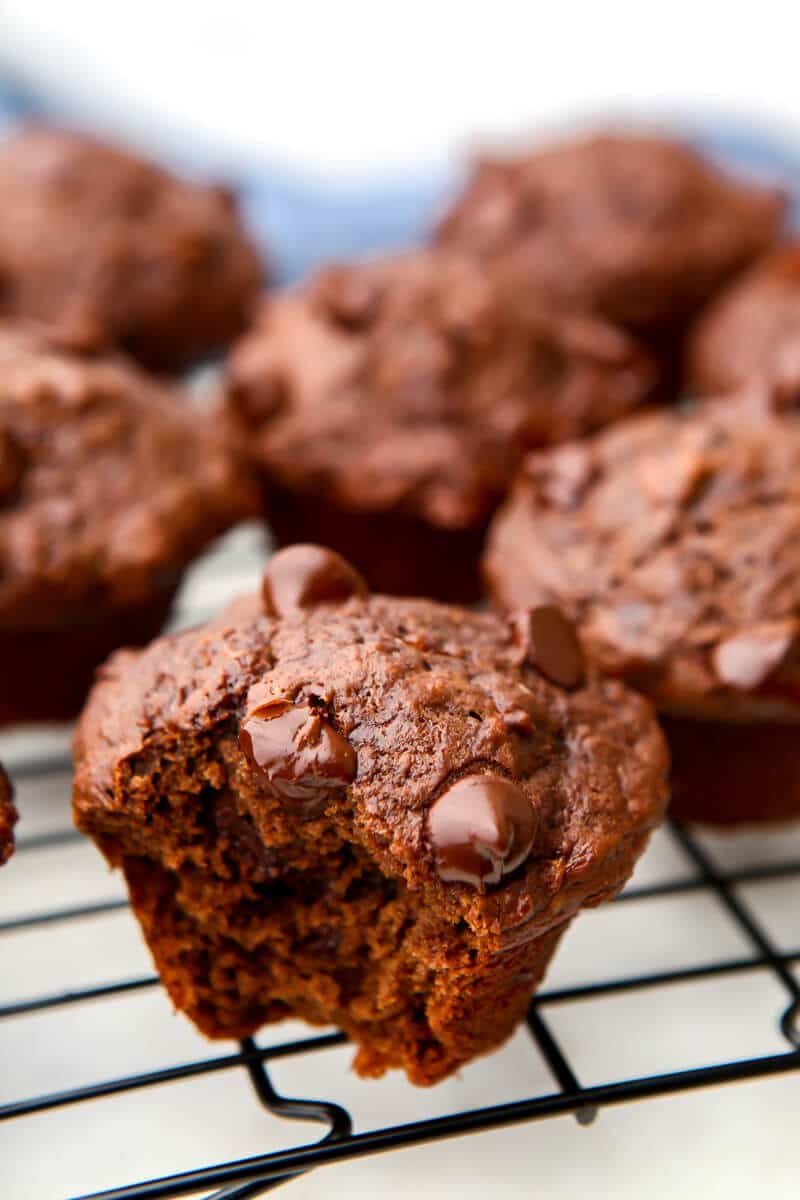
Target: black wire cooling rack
{"x":255,"y":1176}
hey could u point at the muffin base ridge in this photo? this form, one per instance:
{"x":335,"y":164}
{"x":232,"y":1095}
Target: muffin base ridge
{"x":730,"y":773}
{"x":47,"y":672}
{"x":396,"y":553}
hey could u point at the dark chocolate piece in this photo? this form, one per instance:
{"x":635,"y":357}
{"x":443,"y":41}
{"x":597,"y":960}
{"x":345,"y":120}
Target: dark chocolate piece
{"x":552,"y":645}
{"x":297,"y":749}
{"x":304,"y":575}
{"x":481,"y":829}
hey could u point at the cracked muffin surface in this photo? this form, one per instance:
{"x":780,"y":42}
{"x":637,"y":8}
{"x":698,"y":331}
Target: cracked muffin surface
{"x":387,"y":405}
{"x":637,"y":228}
{"x":674,"y":541}
{"x":374,"y":812}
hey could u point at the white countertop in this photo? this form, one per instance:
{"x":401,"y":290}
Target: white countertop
{"x":358,"y":89}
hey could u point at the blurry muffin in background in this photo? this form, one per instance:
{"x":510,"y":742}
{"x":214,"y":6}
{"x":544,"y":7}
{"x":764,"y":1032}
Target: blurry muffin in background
{"x":388,"y":404}
{"x":638,"y":229}
{"x":8,"y":818}
{"x":674,"y":539}
{"x":109,"y":487}
{"x":751,"y":329}
{"x":114,"y":250}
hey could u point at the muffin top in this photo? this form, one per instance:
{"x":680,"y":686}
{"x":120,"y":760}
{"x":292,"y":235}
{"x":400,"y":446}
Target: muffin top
{"x":674,"y":539}
{"x":407,"y":384}
{"x":109,"y":483}
{"x":752,"y":329}
{"x":636,"y":228}
{"x":8,"y":817}
{"x":111,"y":249}
{"x":477,"y":759}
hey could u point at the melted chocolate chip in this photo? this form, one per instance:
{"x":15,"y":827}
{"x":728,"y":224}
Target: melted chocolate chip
{"x":481,"y":829}
{"x":299,"y":752}
{"x":552,"y":645}
{"x":12,"y":466}
{"x":747,"y":660}
{"x":305,"y":575}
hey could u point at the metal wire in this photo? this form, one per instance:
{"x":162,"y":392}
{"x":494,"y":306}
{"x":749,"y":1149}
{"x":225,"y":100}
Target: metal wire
{"x":246,"y":1179}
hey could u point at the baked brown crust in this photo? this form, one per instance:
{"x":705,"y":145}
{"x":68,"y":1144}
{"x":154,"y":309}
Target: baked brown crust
{"x":638,"y":229}
{"x":269,"y":886}
{"x":113,"y":250}
{"x":674,"y":541}
{"x":8,"y":818}
{"x":407,"y":385}
{"x":751,"y":331}
{"x":109,"y":486}
{"x":728,"y":773}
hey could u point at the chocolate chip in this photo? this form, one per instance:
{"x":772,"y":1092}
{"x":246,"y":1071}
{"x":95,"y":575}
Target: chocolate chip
{"x":12,"y":466}
{"x":305,"y":575}
{"x":747,"y":659}
{"x":552,"y":645}
{"x":481,"y":829}
{"x":298,"y":750}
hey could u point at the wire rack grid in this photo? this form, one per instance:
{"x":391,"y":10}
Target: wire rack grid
{"x":257,"y":1174}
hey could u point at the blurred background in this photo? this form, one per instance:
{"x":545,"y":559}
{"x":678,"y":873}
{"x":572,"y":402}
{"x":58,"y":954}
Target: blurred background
{"x":354,"y":88}
{"x":345,"y":127}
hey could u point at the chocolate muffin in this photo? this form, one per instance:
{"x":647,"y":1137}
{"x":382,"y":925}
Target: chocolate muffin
{"x":674,"y":540}
{"x":375,"y":812}
{"x":638,"y":229}
{"x":111,"y":249}
{"x":109,"y":486}
{"x":388,"y":404}
{"x":8,"y":818}
{"x":752,"y":329}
